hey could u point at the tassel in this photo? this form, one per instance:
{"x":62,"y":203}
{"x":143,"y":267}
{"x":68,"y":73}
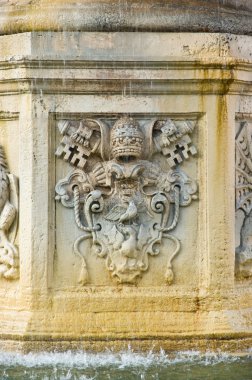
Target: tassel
{"x":84,"y":277}
{"x":169,"y":276}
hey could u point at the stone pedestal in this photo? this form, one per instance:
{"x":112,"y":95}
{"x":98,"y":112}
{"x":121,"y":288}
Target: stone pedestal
{"x":186,"y":99}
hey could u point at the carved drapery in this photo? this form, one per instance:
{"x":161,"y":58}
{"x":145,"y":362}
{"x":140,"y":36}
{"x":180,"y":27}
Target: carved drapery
{"x":126,"y":188}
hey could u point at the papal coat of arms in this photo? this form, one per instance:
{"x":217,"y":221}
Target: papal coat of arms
{"x":126,"y":188}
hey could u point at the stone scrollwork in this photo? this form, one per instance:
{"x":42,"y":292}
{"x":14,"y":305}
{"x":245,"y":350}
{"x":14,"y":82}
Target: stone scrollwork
{"x":124,"y":199}
{"x":9,"y":258}
{"x":243,"y":187}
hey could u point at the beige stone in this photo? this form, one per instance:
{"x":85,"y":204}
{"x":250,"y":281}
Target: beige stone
{"x":229,"y":16}
{"x":48,"y":81}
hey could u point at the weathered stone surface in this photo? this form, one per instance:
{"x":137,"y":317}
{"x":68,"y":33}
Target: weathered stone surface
{"x":50,"y":83}
{"x":9,"y":260}
{"x":243,"y":161}
{"x":225,"y":16}
{"x":124,"y":200}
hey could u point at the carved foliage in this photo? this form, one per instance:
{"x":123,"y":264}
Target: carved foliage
{"x":9,"y":259}
{"x":243,"y":188}
{"x":122,"y":200}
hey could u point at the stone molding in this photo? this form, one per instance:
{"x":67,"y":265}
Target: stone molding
{"x":134,"y":15}
{"x":37,"y":76}
{"x":215,"y":63}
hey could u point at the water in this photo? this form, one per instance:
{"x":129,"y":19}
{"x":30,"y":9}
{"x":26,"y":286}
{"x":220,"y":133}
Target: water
{"x":126,"y":365}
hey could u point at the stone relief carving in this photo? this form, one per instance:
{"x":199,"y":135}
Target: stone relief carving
{"x":9,"y":258}
{"x":126,"y":188}
{"x":244,"y":199}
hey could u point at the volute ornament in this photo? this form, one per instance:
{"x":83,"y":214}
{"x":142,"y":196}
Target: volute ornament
{"x":123,"y":200}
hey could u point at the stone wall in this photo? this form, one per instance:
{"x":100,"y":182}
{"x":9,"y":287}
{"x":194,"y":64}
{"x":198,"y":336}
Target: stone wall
{"x":126,"y":151}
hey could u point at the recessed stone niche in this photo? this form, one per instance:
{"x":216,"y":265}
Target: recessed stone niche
{"x":122,"y":184}
{"x":125,"y":188}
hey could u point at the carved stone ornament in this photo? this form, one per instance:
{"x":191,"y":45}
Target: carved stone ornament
{"x":124,"y":199}
{"x":9,"y":258}
{"x":244,"y":199}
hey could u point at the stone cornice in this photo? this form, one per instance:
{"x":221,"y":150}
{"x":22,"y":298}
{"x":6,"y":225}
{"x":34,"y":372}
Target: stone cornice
{"x":125,"y":63}
{"x":99,"y":77}
{"x":231,"y":16}
{"x":169,"y":64}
